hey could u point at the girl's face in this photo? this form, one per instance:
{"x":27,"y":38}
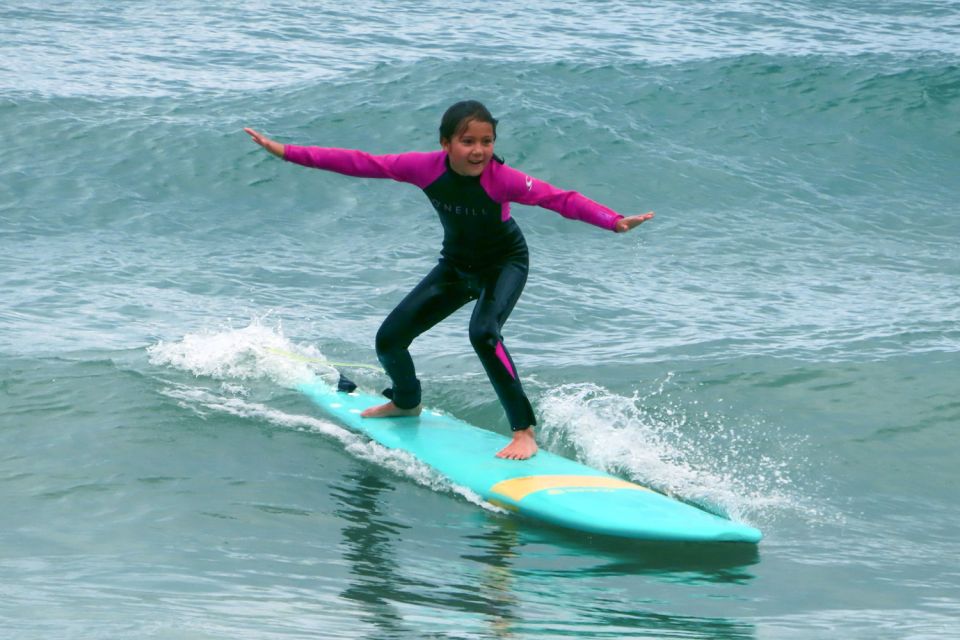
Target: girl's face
{"x":470,"y":150}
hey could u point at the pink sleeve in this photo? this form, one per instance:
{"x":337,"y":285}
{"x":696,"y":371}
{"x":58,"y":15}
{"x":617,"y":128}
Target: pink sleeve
{"x":514,"y":186}
{"x":416,"y":168}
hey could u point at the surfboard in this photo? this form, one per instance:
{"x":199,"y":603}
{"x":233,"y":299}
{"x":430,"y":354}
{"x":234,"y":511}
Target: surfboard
{"x":547,"y":487}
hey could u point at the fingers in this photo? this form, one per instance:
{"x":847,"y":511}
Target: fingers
{"x":265,"y":142}
{"x":625,"y":224}
{"x":257,"y":137}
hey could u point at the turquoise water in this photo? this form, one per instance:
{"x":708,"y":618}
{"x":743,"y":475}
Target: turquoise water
{"x":781,"y":344}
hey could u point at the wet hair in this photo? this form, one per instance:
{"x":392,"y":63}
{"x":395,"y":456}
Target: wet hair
{"x":458,"y":117}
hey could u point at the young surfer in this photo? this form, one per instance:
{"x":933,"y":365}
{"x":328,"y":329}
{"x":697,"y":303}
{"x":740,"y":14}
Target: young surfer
{"x":484,"y":255}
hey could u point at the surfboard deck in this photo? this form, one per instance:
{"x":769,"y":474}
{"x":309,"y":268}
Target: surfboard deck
{"x":547,"y":487}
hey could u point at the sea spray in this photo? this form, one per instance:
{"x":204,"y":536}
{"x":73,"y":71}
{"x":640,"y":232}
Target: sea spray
{"x":744,"y":473}
{"x":248,"y":353}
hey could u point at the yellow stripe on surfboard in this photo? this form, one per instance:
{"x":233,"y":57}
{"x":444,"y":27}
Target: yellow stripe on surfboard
{"x":517,"y":489}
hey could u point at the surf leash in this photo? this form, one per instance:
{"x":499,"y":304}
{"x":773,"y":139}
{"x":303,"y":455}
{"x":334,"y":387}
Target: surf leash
{"x":303,"y":358}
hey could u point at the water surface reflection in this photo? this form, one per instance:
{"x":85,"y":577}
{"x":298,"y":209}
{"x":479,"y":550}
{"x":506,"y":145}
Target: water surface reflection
{"x":499,"y":576}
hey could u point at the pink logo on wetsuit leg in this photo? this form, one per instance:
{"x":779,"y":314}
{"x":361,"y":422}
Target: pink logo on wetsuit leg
{"x":506,"y":362}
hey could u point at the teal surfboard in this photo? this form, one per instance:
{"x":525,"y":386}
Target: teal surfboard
{"x":547,"y":487}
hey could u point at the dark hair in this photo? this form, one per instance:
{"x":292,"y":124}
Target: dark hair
{"x":456,"y":119}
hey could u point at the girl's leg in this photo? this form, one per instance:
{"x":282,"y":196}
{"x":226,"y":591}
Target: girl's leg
{"x":489,"y":315}
{"x":438,"y":295}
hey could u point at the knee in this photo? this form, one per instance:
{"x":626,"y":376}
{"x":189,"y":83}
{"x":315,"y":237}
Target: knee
{"x":389,"y":339}
{"x":483,"y":338}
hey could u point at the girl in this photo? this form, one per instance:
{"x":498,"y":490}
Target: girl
{"x":484,"y":256}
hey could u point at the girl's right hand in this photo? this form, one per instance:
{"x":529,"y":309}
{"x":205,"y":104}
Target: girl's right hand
{"x":272,"y":146}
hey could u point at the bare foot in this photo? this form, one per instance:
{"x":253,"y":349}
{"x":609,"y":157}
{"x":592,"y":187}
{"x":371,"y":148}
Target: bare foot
{"x":390,"y":410}
{"x":522,"y":446}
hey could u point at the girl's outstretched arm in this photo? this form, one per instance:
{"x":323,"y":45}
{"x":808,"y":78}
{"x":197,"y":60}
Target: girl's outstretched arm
{"x":272,"y":146}
{"x":505,"y":183}
{"x":414,"y":167}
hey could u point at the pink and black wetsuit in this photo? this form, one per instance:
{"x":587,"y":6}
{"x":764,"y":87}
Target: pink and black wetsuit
{"x":484,"y":258}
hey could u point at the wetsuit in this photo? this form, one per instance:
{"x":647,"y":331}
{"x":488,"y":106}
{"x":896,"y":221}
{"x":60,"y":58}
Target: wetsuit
{"x":484,"y":258}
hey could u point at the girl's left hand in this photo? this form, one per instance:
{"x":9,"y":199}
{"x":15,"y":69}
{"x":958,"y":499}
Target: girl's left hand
{"x":625,"y":224}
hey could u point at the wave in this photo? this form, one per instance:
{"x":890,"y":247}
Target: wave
{"x":78,"y":50}
{"x":808,"y":132}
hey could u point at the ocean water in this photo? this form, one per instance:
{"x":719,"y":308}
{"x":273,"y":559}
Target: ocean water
{"x":781,"y":344}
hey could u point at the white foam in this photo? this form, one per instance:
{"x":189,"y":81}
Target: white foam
{"x":726,"y":470}
{"x":256,"y":351}
{"x":201,"y":400}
